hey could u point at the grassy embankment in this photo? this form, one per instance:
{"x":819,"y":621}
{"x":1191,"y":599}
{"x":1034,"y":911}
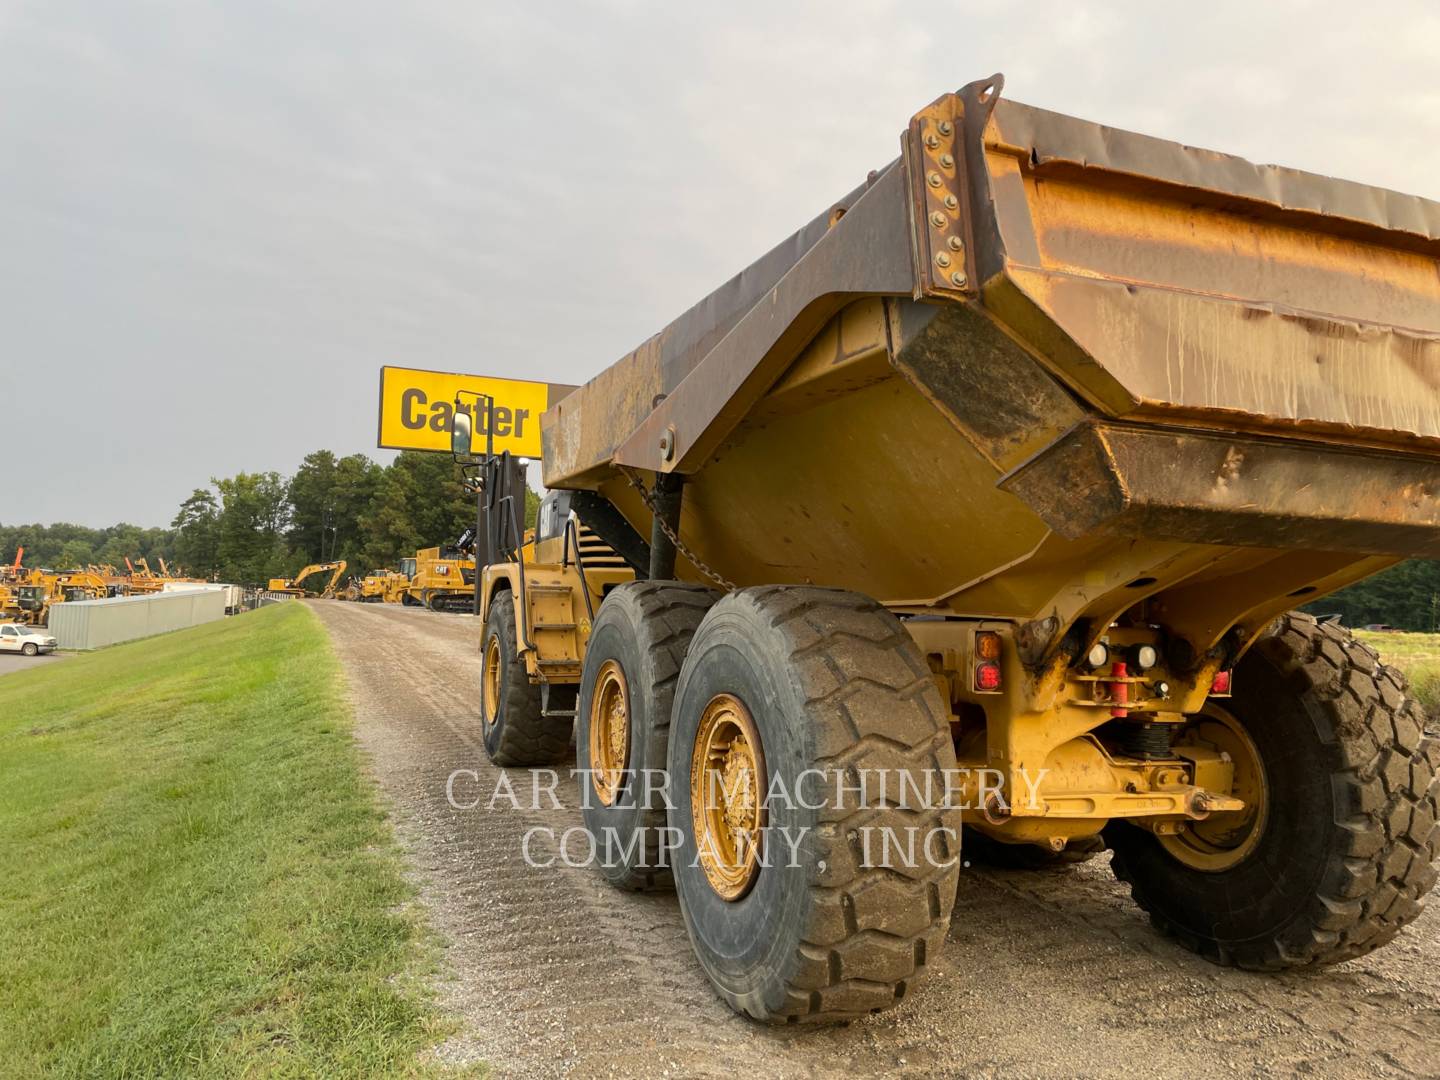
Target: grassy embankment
{"x":197,"y":879}
{"x":1418,"y":656}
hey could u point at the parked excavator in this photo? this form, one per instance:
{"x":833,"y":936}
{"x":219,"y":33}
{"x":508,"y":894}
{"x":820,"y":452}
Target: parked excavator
{"x":293,"y":587}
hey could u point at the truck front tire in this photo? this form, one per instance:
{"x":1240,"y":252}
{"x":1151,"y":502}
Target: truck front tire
{"x":632,"y":664}
{"x":1346,"y":839}
{"x":514,"y":729}
{"x":786,"y":695}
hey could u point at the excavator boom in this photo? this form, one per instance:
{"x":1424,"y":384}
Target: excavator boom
{"x":293,"y":585}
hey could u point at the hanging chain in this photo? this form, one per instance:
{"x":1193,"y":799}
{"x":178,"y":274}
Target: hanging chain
{"x":700,"y":564}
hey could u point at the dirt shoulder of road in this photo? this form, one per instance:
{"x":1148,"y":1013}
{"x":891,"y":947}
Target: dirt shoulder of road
{"x":1044,"y":974}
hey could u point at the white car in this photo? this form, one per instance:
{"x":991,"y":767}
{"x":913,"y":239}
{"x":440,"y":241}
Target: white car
{"x":24,"y":639}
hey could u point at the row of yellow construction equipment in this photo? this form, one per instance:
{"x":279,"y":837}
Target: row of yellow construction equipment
{"x":26,"y":595}
{"x":439,"y":578}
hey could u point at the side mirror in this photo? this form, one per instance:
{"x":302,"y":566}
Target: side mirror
{"x":460,"y":431}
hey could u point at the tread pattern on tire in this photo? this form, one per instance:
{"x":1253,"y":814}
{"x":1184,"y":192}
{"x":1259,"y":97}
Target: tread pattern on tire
{"x":1385,"y":837}
{"x":527,"y":737}
{"x":873,"y":704}
{"x":675,"y":610}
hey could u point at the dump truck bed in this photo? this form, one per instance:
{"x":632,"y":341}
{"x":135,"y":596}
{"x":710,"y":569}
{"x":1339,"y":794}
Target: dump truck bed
{"x":1028,"y":339}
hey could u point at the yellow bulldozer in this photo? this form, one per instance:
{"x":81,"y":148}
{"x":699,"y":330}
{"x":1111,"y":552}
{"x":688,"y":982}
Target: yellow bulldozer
{"x":294,"y":587}
{"x":978,"y":508}
{"x":443,"y":579}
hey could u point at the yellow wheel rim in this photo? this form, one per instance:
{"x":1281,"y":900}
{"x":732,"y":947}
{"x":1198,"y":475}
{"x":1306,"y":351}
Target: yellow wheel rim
{"x":609,"y":731}
{"x":727,"y":796}
{"x":490,"y":682}
{"x":1226,"y":839}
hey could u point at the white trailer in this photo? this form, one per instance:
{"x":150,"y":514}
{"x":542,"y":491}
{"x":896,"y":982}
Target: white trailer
{"x":93,"y":624}
{"x":234,"y":594}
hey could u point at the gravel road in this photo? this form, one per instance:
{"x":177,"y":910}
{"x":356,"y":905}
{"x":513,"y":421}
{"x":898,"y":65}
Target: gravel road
{"x":1044,"y":975}
{"x":13,"y":662}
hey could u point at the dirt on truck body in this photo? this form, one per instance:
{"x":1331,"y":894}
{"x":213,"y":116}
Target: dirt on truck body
{"x":1000,"y":479}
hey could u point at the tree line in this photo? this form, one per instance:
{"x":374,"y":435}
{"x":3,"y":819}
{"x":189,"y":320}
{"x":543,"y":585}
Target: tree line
{"x":250,"y":527}
{"x":1407,"y":597}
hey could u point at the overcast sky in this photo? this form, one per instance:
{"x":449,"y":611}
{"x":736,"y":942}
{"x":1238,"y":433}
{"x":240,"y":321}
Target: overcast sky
{"x":217,"y":220}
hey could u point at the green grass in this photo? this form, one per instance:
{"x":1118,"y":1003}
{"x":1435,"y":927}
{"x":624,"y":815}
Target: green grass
{"x":1417,"y":655}
{"x":195,"y":876}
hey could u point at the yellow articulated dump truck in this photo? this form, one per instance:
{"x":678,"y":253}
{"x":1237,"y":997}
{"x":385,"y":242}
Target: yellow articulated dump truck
{"x":979,"y":506}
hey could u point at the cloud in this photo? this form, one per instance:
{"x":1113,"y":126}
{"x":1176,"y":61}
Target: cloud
{"x":220,"y":219}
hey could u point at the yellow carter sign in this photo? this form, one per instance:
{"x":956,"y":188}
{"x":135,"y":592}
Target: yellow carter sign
{"x":416,"y":408}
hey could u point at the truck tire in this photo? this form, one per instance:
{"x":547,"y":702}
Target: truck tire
{"x":1340,"y":853}
{"x":633,"y":661}
{"x":982,"y":850}
{"x":514,"y":729}
{"x":790,"y":690}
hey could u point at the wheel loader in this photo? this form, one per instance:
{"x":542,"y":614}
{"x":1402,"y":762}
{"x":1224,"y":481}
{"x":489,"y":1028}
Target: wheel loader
{"x":975,"y":513}
{"x":382,"y":587}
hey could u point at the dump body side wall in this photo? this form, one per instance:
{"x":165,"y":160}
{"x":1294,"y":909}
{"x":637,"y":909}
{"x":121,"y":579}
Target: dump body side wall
{"x":1189,"y":282}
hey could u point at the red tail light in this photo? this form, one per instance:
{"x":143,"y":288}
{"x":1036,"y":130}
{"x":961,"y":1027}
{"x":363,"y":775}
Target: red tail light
{"x":1221,"y":684}
{"x":987,"y":676}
